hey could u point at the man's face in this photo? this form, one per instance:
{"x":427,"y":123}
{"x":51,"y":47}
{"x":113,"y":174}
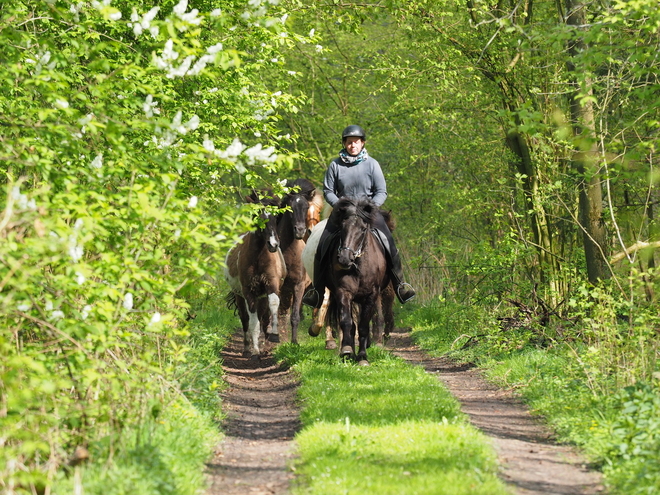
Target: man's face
{"x":353,"y":145}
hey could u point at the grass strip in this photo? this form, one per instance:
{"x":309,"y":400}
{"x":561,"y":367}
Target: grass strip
{"x":389,"y":428}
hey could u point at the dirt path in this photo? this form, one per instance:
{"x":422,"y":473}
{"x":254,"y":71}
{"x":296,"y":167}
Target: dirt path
{"x":262,"y":419}
{"x":530,"y":461}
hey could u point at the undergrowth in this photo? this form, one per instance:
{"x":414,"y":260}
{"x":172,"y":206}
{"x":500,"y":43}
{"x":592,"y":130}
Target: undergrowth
{"x":164,"y":452}
{"x":566,"y":376}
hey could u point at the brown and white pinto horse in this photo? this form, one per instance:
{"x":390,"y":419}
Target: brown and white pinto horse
{"x":292,"y":227}
{"x":255,"y":270}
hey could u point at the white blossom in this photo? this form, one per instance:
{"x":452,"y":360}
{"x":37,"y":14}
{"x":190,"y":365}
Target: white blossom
{"x":115,"y":16}
{"x":61,"y":104}
{"x":181,"y":7}
{"x":80,"y":278}
{"x":76,"y":252}
{"x":232,"y":152}
{"x":85,"y":312}
{"x":149,"y":106}
{"x":208,"y":145}
{"x":216,"y":12}
{"x":193,"y":123}
{"x":128,"y":301}
{"x":319,"y":48}
{"x":57,"y":315}
{"x":23,"y":307}
{"x":48,"y":306}
{"x":215,"y":48}
{"x":191,"y":17}
{"x":19,"y":198}
{"x":155,"y":318}
{"x":193,"y":202}
{"x":168,"y":51}
{"x":311,"y":33}
{"x":97,"y":162}
{"x":182,"y":69}
{"x":177,"y":233}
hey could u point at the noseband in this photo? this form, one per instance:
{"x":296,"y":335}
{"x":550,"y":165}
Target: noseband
{"x":360,"y":250}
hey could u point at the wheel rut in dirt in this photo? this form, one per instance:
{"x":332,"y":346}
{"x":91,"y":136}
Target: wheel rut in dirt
{"x":531,"y":462}
{"x":261,"y":421}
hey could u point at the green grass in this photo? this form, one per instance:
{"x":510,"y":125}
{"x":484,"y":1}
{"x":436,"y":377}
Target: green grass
{"x":617,"y":428}
{"x":167,"y":457}
{"x":389,"y":428}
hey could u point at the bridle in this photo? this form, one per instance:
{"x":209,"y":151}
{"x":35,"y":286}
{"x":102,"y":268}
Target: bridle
{"x":360,"y":250}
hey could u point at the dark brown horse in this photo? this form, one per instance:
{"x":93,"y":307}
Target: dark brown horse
{"x":383,"y":320}
{"x":255,"y":270}
{"x":292,"y":227}
{"x":356,"y":273}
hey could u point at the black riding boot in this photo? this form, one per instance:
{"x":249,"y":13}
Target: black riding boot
{"x":314,"y":296}
{"x":404,"y":291}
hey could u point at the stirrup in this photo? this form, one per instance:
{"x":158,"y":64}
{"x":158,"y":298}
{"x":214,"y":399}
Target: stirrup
{"x":405,"y":292}
{"x":312,"y":298}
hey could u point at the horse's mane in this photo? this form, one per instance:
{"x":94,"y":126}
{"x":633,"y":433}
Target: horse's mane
{"x":364,"y":208}
{"x":302,"y":187}
{"x":264,"y":197}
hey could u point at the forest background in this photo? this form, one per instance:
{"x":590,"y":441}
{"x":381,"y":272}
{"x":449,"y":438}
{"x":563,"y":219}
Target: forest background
{"x":518,"y":140}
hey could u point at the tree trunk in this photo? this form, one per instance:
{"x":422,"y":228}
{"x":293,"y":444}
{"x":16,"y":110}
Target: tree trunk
{"x":585,"y":156}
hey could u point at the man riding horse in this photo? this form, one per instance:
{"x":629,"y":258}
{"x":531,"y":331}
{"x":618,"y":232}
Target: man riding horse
{"x":356,"y":175}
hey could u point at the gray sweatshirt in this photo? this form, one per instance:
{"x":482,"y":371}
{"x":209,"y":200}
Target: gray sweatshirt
{"x":362,"y":180}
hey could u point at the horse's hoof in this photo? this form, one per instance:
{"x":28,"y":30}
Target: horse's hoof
{"x":363,"y":362}
{"x":273,"y":337}
{"x":314,"y":330}
{"x":347,"y":352}
{"x":330,"y":345}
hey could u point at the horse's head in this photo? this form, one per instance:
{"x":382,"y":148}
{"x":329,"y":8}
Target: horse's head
{"x":314,"y":211}
{"x":299,"y":200}
{"x":267,"y":224}
{"x":356,"y":218}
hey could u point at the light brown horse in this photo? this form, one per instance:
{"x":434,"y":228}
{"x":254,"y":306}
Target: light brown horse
{"x":292,"y":227}
{"x":255,"y":270}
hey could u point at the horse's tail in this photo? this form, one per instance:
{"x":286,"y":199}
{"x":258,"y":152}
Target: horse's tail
{"x":389,"y":219}
{"x":231,"y":302}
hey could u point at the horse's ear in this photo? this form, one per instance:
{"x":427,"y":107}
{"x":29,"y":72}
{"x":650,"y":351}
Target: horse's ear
{"x":309,"y":195}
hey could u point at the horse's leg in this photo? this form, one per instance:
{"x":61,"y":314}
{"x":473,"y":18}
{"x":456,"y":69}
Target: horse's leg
{"x":378,"y":323}
{"x":272,"y":333}
{"x":252,"y":340}
{"x":330,"y":342}
{"x":345,"y":305}
{"x":387,"y":301}
{"x":286,"y":298}
{"x":366,"y":314}
{"x":319,"y":319}
{"x":241,"y":307}
{"x":295,"y":311}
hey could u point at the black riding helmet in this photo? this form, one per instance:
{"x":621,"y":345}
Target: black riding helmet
{"x":353,"y":131}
